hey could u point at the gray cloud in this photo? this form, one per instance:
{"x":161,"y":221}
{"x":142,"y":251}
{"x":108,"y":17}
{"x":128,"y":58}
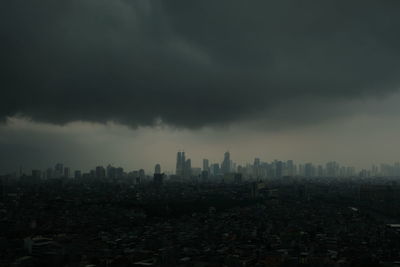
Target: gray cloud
{"x":193,"y":64}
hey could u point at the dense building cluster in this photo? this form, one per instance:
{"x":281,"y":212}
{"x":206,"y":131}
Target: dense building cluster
{"x":225,"y":170}
{"x":262,"y":214}
{"x":290,"y":221}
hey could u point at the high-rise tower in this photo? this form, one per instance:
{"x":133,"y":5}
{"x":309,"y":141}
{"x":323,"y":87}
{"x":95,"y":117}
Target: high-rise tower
{"x":226,"y":164}
{"x":157,"y":169}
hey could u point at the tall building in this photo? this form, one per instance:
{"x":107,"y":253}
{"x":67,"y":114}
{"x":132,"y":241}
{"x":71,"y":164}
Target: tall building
{"x":180,"y":164}
{"x":279,"y":168}
{"x":308,"y":170}
{"x":256,"y":168}
{"x":157,"y":169}
{"x":100,"y":172}
{"x":332,"y":169}
{"x":178,"y":170}
{"x":290,"y":168}
{"x":215,"y":170}
{"x":320,"y":171}
{"x":206,"y":166}
{"x":188,"y":168}
{"x":226,"y":164}
{"x":77,"y":174}
{"x":110,"y":171}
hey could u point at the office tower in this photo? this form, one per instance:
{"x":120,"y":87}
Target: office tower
{"x":180,"y":164}
{"x":301,"y":170}
{"x":332,"y":169}
{"x":374,"y":170}
{"x":188,"y":168}
{"x":278,"y":169}
{"x":77,"y":174}
{"x":110,"y":172}
{"x":290,"y":168}
{"x":157,"y":169}
{"x":119,"y":172}
{"x":100,"y":172}
{"x":226,"y":164}
{"x":396,"y":167}
{"x":142,"y":175}
{"x":308,"y":170}
{"x":320,"y":171}
{"x":257,"y":168}
{"x":66,"y":172}
{"x":233,"y":166}
{"x":206,"y":166}
{"x":178,"y":170}
{"x":215,"y":169}
{"x":350,"y":171}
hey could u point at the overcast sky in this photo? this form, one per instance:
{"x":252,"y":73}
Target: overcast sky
{"x":90,"y":82}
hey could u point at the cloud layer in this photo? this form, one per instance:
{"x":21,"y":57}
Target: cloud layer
{"x":193,"y":64}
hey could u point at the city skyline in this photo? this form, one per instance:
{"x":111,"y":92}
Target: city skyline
{"x":258,"y":169}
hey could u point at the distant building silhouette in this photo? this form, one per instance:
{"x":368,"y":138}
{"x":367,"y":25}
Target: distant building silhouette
{"x":100,"y":172}
{"x":77,"y":174}
{"x":180,"y":163}
{"x":157,"y":169}
{"x":226,"y":164}
{"x":158,"y":178}
{"x":206,"y":166}
{"x":188,"y":168}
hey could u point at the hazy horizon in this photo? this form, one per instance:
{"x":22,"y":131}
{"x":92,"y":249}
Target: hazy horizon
{"x":130,"y":83}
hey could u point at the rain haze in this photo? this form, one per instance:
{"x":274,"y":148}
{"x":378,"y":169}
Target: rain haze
{"x":132,"y":82}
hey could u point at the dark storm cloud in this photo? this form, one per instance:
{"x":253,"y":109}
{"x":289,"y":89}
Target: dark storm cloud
{"x":192,"y":63}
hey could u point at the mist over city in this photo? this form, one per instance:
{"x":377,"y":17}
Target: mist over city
{"x":199,"y":133}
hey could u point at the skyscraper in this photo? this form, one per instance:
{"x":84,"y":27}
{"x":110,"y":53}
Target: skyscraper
{"x":226,"y":164}
{"x":157,"y":169}
{"x":77,"y":174}
{"x":215,"y":169}
{"x":206,"y":166}
{"x":290,"y":168}
{"x":180,"y":164}
{"x":279,"y":168}
{"x":188,"y":168}
{"x":142,"y":175}
{"x":256,"y":168}
{"x":178,"y":170}
{"x":100,"y":172}
{"x":308,"y":170}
